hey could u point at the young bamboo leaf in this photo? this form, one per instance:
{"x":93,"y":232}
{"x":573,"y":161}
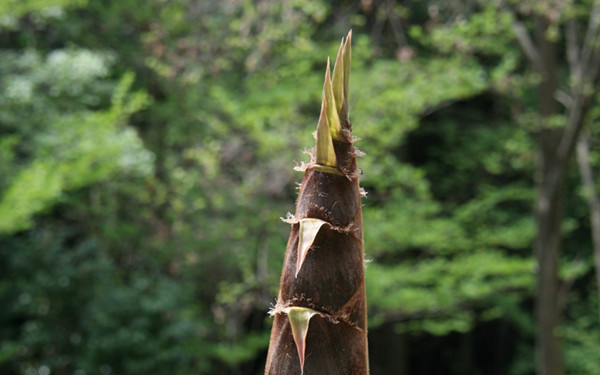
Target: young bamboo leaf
{"x":338,"y":80}
{"x":325,"y":154}
{"x":347,"y":56}
{"x":335,"y":127}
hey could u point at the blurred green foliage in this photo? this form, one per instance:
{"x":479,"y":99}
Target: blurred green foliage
{"x":146,"y":154}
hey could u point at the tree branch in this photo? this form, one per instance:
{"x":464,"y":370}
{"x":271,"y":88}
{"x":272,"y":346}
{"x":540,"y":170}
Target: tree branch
{"x":527,"y":45}
{"x":587,"y":179}
{"x":573,"y":53}
{"x":524,"y":39}
{"x":563,"y":98}
{"x":396,"y":24}
{"x":585,"y":74}
{"x":590,"y":47}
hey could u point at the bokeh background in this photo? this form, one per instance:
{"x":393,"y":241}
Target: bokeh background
{"x":146,"y":157}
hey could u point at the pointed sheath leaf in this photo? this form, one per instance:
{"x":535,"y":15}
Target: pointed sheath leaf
{"x":338,"y":80}
{"x":325,"y":152}
{"x":299,"y":318}
{"x":309,"y":228}
{"x":347,"y":56}
{"x":335,"y":127}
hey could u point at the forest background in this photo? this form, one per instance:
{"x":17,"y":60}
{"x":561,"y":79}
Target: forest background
{"x":147,"y":152}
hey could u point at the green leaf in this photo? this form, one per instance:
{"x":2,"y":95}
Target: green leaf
{"x":333,"y":119}
{"x":325,"y":154}
{"x":338,"y":80}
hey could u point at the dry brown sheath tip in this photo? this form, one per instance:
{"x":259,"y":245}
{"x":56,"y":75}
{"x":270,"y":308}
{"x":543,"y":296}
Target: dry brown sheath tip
{"x":320,"y":320}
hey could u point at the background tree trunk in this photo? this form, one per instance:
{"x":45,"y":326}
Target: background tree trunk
{"x":549,"y":212}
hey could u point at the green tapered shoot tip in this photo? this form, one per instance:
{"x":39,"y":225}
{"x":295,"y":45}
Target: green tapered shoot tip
{"x":347,"y":56}
{"x":338,"y":80}
{"x":325,"y":154}
{"x":333,"y":118}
